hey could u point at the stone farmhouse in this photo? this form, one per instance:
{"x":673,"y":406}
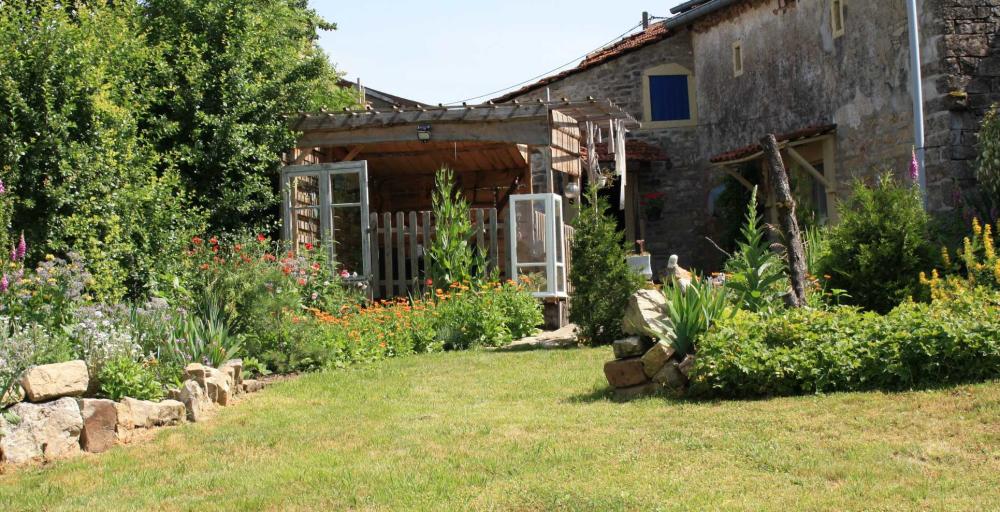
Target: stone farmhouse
{"x":830,"y":77}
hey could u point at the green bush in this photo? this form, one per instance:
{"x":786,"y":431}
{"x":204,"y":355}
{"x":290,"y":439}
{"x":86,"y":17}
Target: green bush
{"x":844,"y":349}
{"x":124,"y":377}
{"x":880,"y":246}
{"x":691,"y":313}
{"x":756,"y":275}
{"x":988,"y":163}
{"x":490,"y":317}
{"x":602,"y":279}
{"x":450,"y":255}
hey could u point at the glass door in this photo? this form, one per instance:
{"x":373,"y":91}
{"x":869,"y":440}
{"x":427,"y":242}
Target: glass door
{"x":326,"y":205}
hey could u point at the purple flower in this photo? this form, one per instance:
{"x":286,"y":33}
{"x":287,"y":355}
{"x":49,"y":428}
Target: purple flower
{"x":3,"y":189}
{"x":914,"y":167}
{"x":4,"y":284}
{"x":22,"y":248}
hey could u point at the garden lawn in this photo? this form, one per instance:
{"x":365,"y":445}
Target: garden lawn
{"x":535,"y":431}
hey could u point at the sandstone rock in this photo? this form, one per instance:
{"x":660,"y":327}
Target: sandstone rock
{"x":196,"y":371}
{"x":218,"y":386}
{"x":671,"y":377}
{"x":196,"y":402}
{"x":634,"y":392}
{"x":633,"y":346}
{"x":174,"y":394}
{"x":50,"y":381}
{"x":644,"y":310}
{"x":234,"y":368}
{"x":252,"y":386}
{"x":656,"y":357}
{"x":625,"y":373}
{"x":133,"y":414}
{"x":551,"y":340}
{"x":686,"y":365}
{"x":100,"y":419}
{"x":47,"y":430}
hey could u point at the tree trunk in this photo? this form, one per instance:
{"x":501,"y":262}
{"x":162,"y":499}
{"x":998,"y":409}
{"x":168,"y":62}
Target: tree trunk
{"x":782,"y":193}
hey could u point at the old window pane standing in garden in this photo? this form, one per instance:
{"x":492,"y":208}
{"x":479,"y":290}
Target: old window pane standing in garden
{"x":326,"y":205}
{"x":537,"y":247}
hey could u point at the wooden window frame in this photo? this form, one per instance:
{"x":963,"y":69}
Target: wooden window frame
{"x":738,"y":59}
{"x":837,"y":14}
{"x":647,"y":103}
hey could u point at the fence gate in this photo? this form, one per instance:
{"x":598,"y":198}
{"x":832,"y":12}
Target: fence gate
{"x":398,"y":243}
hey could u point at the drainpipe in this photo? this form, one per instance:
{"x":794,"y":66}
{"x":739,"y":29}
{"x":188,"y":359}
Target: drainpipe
{"x":916,"y":78}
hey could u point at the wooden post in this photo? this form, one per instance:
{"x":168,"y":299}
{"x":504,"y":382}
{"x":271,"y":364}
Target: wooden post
{"x":789,"y":225}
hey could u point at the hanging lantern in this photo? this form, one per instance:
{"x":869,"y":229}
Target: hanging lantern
{"x":572,"y":190}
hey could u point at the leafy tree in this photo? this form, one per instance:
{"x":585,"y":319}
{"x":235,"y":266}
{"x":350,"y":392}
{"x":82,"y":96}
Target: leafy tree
{"x":988,"y":163}
{"x":602,"y":279}
{"x":230,"y":70}
{"x":74,"y":93}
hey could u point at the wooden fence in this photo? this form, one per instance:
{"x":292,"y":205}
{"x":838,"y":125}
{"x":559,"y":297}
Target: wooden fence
{"x":398,"y":243}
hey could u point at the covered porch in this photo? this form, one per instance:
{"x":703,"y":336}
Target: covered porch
{"x":359,"y":183}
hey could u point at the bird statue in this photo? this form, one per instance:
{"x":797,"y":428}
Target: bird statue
{"x":676,"y":272}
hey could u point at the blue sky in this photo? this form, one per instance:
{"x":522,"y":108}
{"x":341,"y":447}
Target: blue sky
{"x":441,"y":51}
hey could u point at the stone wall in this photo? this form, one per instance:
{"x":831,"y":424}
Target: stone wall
{"x":683,"y":179}
{"x":971,"y":80}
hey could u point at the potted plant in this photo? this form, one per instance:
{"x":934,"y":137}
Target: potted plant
{"x":652,"y":205}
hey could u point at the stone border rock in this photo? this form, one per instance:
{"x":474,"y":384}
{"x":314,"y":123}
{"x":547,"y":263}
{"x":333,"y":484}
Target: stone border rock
{"x":57,"y":421}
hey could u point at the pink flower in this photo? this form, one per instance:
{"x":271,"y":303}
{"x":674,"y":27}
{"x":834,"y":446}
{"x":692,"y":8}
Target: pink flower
{"x":914,"y":167}
{"x":4,"y":284}
{"x":3,"y":189}
{"x":22,"y":248}
{"x":345,"y":274}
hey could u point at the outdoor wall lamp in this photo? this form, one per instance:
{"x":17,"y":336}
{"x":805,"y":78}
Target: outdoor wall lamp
{"x":572,"y":190}
{"x":424,"y":133}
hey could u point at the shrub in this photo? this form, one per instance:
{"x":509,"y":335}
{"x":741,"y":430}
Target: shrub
{"x":48,"y":294}
{"x":124,"y":377}
{"x":492,"y":316}
{"x":756,"y":274}
{"x":21,"y":346}
{"x":102,"y":334}
{"x":449,"y":253}
{"x":691,"y":312}
{"x":811,"y":351}
{"x":602,"y":279}
{"x":988,"y":163}
{"x":880,"y":245}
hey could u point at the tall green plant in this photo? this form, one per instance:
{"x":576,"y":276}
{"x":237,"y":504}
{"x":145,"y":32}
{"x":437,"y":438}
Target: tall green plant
{"x":691,"y":312}
{"x":756,"y":272}
{"x":881,"y":245}
{"x":450,"y":254}
{"x":988,"y":164}
{"x":602,"y":279}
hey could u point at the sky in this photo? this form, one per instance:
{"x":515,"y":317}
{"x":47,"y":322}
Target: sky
{"x":447,"y":51}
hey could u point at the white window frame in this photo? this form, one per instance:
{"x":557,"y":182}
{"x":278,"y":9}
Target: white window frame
{"x":324,"y":172}
{"x":647,"y":97}
{"x":553,"y":203}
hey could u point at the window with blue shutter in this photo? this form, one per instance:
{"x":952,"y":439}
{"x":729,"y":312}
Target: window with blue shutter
{"x":668,"y":98}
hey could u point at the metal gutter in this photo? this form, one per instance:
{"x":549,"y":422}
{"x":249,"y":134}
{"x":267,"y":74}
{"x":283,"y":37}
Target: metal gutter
{"x":687,"y":6}
{"x":698,"y":12}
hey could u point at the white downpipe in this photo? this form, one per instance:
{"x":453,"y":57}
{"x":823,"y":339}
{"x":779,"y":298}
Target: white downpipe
{"x":916,"y":79}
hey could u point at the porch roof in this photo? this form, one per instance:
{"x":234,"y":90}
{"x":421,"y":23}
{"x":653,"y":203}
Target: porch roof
{"x":752,"y":151}
{"x":516,"y":123}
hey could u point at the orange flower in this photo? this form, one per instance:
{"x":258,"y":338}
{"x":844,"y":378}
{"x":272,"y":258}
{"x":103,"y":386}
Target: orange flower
{"x":204,"y":266}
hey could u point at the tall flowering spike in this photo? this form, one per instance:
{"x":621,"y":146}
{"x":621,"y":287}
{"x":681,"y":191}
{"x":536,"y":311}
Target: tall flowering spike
{"x":4,"y":283}
{"x":13,"y":253}
{"x":3,"y":189}
{"x":914,"y":166}
{"x":22,"y":247}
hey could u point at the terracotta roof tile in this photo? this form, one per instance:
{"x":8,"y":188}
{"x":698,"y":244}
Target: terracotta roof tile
{"x":656,"y":32}
{"x":745,"y":151}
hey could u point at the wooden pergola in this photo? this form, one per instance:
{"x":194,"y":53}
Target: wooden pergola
{"x":497,"y":151}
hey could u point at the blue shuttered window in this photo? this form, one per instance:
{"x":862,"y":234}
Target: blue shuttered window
{"x":668,"y":98}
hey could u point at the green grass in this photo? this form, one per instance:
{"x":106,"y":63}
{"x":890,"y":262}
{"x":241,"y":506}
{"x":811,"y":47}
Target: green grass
{"x":535,"y":431}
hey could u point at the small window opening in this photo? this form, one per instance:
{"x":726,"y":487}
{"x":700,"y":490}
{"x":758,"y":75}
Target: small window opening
{"x":738,"y":58}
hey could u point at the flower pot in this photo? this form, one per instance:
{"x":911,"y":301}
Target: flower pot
{"x":642,"y":264}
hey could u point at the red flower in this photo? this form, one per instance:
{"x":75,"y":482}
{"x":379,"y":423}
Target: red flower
{"x":429,"y":282}
{"x":215,"y":248}
{"x":309,"y":246}
{"x":238,"y":247}
{"x":315,"y":266}
{"x":270,"y":257}
{"x":261,"y":238}
{"x":302,"y":282}
{"x":204,"y":266}
{"x":196,"y":241}
{"x":213,"y":241}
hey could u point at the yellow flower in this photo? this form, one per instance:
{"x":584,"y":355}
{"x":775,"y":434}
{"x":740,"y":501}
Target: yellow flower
{"x":996,"y":271}
{"x":49,"y":257}
{"x":976,"y":228}
{"x":945,"y":256}
{"x":988,"y":243}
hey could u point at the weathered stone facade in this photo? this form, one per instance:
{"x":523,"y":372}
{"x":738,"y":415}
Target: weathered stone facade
{"x":798,"y":73}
